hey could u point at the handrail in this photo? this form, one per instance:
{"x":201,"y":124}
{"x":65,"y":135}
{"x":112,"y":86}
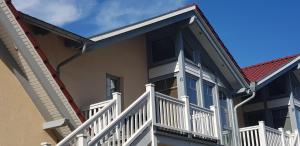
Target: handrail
{"x":170,"y":98}
{"x":121,"y":117}
{"x":86,"y":124}
{"x":248,"y":128}
{"x":196,"y":107}
{"x":96,"y":105}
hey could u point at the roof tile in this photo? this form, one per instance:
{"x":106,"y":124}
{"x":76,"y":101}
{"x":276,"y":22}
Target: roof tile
{"x":258,"y":71}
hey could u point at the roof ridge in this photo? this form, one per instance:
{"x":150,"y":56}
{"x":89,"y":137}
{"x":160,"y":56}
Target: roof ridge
{"x":271,"y":61}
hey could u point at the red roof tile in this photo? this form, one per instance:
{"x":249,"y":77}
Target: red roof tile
{"x":259,"y":71}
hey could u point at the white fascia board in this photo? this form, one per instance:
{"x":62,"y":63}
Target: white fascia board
{"x":142,"y":24}
{"x":221,"y":51}
{"x":279,"y":70}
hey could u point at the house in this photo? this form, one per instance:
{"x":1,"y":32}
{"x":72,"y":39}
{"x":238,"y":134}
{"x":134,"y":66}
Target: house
{"x":64,"y":89}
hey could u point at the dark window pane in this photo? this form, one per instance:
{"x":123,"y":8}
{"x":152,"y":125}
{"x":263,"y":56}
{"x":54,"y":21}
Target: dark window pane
{"x":188,"y":51}
{"x":163,"y":49}
{"x":224,"y":110}
{"x":252,"y":118}
{"x":167,"y":86}
{"x":277,"y":87}
{"x":191,"y":84}
{"x":208,"y":95}
{"x":112,"y":85}
{"x":280,"y":118}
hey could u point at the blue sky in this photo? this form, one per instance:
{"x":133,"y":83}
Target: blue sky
{"x":253,"y":31}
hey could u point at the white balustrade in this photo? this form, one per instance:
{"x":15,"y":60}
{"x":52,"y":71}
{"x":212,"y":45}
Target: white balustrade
{"x":97,"y":121}
{"x":108,"y":126}
{"x":127,"y":125}
{"x":262,"y":135}
{"x":169,"y":111}
{"x":89,"y":111}
{"x":202,"y":120}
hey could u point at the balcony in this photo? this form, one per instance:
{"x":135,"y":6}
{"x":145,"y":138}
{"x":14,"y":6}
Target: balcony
{"x":106,"y":123}
{"x":261,"y":135}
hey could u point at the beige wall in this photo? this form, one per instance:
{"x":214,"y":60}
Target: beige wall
{"x":20,"y":122}
{"x":85,"y":77}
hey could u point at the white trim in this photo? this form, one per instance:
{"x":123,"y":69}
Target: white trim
{"x":143,"y":24}
{"x":278,"y":71}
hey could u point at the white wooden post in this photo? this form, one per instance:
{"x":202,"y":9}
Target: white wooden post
{"x":262,"y":133}
{"x":117,"y":97}
{"x":81,"y":140}
{"x":45,"y":144}
{"x":215,"y":121}
{"x":150,"y":89}
{"x":282,"y":137}
{"x":187,"y":117}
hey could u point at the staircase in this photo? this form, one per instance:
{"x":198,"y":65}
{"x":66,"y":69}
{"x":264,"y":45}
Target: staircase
{"x":110,"y":127}
{"x":139,"y":123}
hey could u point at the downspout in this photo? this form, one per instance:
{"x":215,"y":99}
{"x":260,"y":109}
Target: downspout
{"x":251,"y":91}
{"x":68,"y":60}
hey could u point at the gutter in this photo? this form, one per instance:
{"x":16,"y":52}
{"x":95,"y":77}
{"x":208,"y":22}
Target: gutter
{"x":244,"y":93}
{"x":68,"y":60}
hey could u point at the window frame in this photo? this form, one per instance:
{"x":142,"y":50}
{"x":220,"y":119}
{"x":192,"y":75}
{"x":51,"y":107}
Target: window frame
{"x":113,"y":77}
{"x":198,"y":100}
{"x":213,"y":85}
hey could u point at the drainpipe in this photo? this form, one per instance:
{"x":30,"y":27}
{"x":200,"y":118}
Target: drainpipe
{"x":68,"y":60}
{"x":252,"y":94}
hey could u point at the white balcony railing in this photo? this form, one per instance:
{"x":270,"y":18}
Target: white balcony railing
{"x":179,"y":114}
{"x":108,"y":126}
{"x":262,"y":135}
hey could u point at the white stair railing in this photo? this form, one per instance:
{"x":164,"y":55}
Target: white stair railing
{"x":89,"y":111}
{"x":95,"y":123}
{"x":262,"y":135}
{"x":127,"y":126}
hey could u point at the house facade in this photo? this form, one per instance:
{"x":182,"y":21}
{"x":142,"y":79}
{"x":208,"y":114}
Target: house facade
{"x":168,"y":80}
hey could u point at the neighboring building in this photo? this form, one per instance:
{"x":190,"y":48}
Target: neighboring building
{"x":65,"y":89}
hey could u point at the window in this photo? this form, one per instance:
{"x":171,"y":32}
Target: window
{"x":189,"y":52}
{"x":167,"y":86}
{"x":191,"y":86}
{"x":224,"y":110}
{"x":252,"y":118}
{"x":112,"y":85}
{"x":163,"y":49}
{"x":278,"y":87}
{"x":208,"y":94}
{"x":281,"y":118}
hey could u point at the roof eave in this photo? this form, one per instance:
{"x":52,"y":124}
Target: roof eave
{"x":264,"y":81}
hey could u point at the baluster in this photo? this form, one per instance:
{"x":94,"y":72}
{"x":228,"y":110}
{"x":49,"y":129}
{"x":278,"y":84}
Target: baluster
{"x":127,"y":127}
{"x":244,"y":138}
{"x":256,"y":137}
{"x":136,"y":121}
{"x":160,"y":111}
{"x":140,"y":117}
{"x":123,"y":132}
{"x":131,"y":125}
{"x":144,"y":113}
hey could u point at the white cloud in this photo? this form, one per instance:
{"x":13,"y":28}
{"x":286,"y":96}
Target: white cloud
{"x":57,"y":12}
{"x":116,"y":13}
